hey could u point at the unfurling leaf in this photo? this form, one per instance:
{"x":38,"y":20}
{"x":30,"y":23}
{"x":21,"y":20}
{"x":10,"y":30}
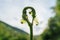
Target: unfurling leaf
{"x":25,"y":17}
{"x":36,"y":24}
{"x":36,"y":21}
{"x":23,"y":21}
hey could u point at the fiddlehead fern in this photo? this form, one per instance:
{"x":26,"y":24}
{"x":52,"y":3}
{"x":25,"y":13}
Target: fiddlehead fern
{"x":25,"y":18}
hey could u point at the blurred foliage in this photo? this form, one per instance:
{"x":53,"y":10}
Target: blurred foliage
{"x":7,"y":32}
{"x":53,"y":30}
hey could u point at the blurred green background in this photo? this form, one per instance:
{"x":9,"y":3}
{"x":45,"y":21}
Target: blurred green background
{"x":8,"y":32}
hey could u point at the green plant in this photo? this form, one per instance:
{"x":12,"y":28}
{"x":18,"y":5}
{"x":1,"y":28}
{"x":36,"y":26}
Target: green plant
{"x":25,"y":19}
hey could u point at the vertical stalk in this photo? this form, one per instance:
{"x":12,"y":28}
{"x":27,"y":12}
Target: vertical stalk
{"x":31,"y":33}
{"x":31,"y":30}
